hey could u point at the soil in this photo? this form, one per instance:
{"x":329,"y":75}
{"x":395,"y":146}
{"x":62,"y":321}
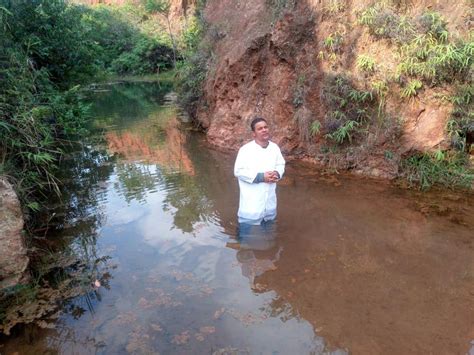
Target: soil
{"x":259,"y":57}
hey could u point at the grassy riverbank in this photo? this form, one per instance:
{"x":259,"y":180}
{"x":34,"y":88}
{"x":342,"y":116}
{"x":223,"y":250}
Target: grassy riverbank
{"x":49,"y":49}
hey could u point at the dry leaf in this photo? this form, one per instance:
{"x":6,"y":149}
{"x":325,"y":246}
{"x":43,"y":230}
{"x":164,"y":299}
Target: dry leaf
{"x":182,"y":338}
{"x":207,"y":330}
{"x":219,"y":313}
{"x":156,"y":327}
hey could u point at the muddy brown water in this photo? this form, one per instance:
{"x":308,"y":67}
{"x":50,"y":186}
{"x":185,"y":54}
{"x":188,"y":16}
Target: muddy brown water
{"x":350,"y":266}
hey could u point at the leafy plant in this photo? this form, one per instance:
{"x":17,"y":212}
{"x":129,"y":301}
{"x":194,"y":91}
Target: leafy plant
{"x":365,"y":63}
{"x":388,"y":154}
{"x":192,"y":71}
{"x":162,"y":7}
{"x":380,"y":90}
{"x":440,"y":167}
{"x":344,"y":132}
{"x":315,"y":128}
{"x":298,"y":93}
{"x":412,"y":88}
{"x":426,"y":51}
{"x":278,"y":7}
{"x":461,"y":122}
{"x":347,"y":108}
{"x":37,"y":117}
{"x":333,"y":7}
{"x":333,"y":42}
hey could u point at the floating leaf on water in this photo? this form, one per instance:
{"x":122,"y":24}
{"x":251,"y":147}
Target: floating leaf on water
{"x":125,"y":318}
{"x":185,"y":289}
{"x":199,"y":337}
{"x":182,"y":338}
{"x":207,"y":290}
{"x":139,"y":342}
{"x":144,"y":303}
{"x":248,"y":318}
{"x":219,"y":313}
{"x":96,"y":283}
{"x":179,"y":275}
{"x":207,"y":330}
{"x":230,"y":351}
{"x":156,"y":327}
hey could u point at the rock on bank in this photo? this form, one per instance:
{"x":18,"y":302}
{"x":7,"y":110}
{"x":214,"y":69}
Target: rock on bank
{"x":13,"y":258}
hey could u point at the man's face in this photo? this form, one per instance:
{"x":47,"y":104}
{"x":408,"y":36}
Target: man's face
{"x":261,"y":133}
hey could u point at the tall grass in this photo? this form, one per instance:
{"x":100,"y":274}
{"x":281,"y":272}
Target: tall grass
{"x":438,"y":168}
{"x":37,"y":115}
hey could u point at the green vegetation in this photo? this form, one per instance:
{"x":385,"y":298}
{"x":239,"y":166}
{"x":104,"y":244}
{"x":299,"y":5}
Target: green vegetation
{"x":411,"y":88}
{"x":315,"y":128}
{"x":39,"y":105}
{"x":193,"y":69}
{"x":439,"y":168}
{"x":365,"y":63}
{"x":48,"y":48}
{"x":279,"y":7}
{"x":380,"y":90}
{"x":344,"y":132}
{"x":333,"y":42}
{"x":427,"y":50}
{"x":298,"y":92}
{"x":162,"y":7}
{"x":334,"y":7}
{"x":128,"y":41}
{"x":430,"y":56}
{"x":461,"y":122}
{"x":347,"y":108}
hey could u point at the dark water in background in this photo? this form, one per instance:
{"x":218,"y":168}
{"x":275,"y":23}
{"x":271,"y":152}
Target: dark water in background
{"x":350,"y":265}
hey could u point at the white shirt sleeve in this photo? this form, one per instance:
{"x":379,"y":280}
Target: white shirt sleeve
{"x":243,"y":170}
{"x":280,"y":163}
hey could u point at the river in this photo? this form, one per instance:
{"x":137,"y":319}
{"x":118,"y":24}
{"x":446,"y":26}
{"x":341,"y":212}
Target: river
{"x":350,"y":266}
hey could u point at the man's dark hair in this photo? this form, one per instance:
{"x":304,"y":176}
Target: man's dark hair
{"x":255,"y":121}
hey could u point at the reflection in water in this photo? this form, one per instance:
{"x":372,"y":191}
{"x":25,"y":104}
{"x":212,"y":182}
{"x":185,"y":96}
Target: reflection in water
{"x":257,"y":249}
{"x":349,"y":264}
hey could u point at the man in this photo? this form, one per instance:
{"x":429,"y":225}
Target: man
{"x":259,"y":165}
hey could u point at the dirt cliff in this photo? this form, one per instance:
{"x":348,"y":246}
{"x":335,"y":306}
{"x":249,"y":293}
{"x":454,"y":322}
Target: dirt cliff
{"x":277,"y":58}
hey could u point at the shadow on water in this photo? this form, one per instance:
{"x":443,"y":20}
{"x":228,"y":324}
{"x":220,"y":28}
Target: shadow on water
{"x":350,"y":265}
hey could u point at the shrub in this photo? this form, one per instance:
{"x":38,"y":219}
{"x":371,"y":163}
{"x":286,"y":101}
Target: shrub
{"x":36,"y":116}
{"x":192,"y":72}
{"x":347,"y":108}
{"x":333,"y":42}
{"x":278,"y":7}
{"x":443,"y":168}
{"x":147,"y":56}
{"x":365,"y":63}
{"x":333,"y":7}
{"x":54,"y":38}
{"x":425,"y":49}
{"x":411,"y":88}
{"x":383,"y":22}
{"x":125,"y":44}
{"x":461,"y":122}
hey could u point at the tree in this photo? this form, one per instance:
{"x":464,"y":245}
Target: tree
{"x":162,"y":7}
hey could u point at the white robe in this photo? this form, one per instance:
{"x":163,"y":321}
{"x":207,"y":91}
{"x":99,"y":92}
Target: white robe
{"x":257,"y":200}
